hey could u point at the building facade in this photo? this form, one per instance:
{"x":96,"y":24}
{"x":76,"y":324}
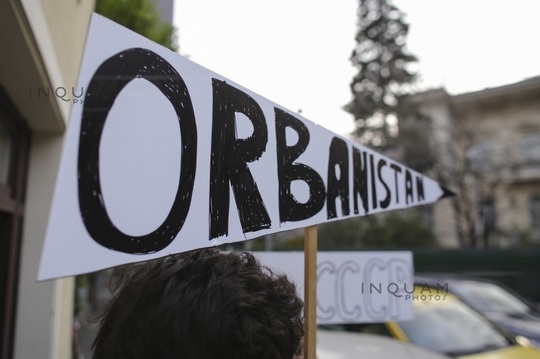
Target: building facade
{"x":42,"y":43}
{"x":487,"y":145}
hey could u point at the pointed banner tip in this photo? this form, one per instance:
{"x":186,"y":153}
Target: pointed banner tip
{"x":446,"y":192}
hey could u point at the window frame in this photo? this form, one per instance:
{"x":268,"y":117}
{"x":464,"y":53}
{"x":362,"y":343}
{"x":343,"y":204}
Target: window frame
{"x":12,"y":196}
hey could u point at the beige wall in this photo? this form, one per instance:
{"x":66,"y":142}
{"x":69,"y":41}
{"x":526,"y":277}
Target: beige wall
{"x":68,"y":24}
{"x":514,"y":206}
{"x":48,"y":39}
{"x":59,"y":29}
{"x":445,"y":227}
{"x":44,"y":310}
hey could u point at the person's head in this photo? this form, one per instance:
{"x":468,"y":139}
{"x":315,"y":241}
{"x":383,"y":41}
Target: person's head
{"x":200,"y":305}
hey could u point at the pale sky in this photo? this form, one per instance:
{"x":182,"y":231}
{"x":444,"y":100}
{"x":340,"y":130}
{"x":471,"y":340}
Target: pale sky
{"x":296,"y":52}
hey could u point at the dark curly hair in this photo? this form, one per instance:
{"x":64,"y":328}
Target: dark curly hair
{"x":203,"y":304}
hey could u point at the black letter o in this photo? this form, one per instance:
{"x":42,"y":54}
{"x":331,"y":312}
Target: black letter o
{"x":110,"y":78}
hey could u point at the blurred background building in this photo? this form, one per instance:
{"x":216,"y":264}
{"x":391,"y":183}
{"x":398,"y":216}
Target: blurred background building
{"x":487,"y":146}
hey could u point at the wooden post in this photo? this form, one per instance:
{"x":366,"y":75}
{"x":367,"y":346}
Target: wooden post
{"x":310,"y":292}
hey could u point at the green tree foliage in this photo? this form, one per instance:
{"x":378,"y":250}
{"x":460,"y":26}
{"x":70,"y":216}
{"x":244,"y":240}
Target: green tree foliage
{"x":406,"y":229}
{"x":396,"y":230}
{"x":383,"y":65}
{"x":412,"y":145}
{"x":140,"y":16}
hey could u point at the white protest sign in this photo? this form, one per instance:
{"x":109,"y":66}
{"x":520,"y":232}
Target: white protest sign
{"x":163,"y":156}
{"x":353,"y":287}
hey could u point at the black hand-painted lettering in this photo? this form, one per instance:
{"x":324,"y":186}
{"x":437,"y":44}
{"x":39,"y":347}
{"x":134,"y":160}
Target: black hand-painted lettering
{"x":409,"y":195}
{"x":110,"y":78}
{"x":338,"y":187}
{"x":420,"y":188}
{"x":229,"y":159}
{"x":360,"y":181}
{"x":374,"y":201}
{"x":397,"y":169}
{"x":386,"y":201}
{"x":288,"y":171}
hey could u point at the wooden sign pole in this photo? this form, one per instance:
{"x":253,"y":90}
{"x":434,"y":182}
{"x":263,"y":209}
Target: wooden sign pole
{"x":310,"y":292}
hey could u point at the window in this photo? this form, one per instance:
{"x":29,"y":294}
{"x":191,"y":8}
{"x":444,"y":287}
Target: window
{"x":480,"y":155}
{"x":452,"y":328}
{"x":14,"y":140}
{"x":530,"y":147}
{"x":534,"y":206}
{"x":6,"y":142}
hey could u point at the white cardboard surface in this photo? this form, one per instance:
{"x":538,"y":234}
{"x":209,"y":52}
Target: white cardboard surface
{"x":140,"y":164}
{"x":353,"y":287}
